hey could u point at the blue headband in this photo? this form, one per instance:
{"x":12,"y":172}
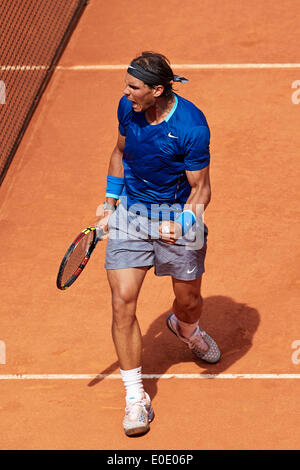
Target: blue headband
{"x":150,"y":78}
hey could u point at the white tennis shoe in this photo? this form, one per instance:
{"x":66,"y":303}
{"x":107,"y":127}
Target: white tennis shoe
{"x":138,"y":415}
{"x":212,"y":355}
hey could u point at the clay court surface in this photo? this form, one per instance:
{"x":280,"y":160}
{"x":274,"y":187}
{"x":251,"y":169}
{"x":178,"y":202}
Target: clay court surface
{"x":251,"y":286}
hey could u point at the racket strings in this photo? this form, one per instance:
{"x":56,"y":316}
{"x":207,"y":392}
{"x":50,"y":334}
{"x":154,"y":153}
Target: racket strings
{"x":77,"y":257}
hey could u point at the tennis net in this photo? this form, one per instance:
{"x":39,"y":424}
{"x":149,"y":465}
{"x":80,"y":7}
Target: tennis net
{"x":33,"y":35}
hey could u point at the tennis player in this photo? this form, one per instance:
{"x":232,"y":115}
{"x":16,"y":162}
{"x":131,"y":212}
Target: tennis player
{"x":158,"y":186}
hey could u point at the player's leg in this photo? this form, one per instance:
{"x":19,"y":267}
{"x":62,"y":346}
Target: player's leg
{"x":129,"y":254}
{"x":187,"y":308}
{"x":125,"y":286}
{"x":186,"y":267}
{"x":188,"y":300}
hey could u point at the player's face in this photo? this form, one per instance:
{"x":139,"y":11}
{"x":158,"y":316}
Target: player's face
{"x":141,"y":95}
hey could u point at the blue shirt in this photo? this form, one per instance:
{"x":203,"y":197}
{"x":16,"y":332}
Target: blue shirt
{"x":155,"y":157}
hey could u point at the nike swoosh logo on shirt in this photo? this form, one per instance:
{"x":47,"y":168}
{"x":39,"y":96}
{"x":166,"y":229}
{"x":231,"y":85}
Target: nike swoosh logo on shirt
{"x":190,"y":272}
{"x":173,"y":136}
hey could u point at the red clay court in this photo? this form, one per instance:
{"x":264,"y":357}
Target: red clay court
{"x":60,"y":384}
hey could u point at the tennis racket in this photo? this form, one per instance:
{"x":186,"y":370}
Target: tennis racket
{"x":77,"y":256}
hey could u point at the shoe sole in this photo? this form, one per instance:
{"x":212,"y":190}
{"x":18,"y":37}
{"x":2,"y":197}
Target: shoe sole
{"x":168,"y":325}
{"x":170,"y":328}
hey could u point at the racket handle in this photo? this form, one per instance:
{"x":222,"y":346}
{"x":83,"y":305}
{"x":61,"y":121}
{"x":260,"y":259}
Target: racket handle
{"x":100,"y":233}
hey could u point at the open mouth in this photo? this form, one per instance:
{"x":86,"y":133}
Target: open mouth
{"x":134,"y":104}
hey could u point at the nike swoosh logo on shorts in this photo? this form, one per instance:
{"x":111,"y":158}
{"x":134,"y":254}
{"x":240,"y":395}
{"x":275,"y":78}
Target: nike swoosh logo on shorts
{"x":173,"y":136}
{"x":190,"y":272}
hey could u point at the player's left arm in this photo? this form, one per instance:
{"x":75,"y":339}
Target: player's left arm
{"x":200,"y":195}
{"x":197,"y":155}
{"x":197,"y":202}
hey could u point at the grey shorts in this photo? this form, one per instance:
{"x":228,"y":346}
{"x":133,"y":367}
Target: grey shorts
{"x":134,"y":242}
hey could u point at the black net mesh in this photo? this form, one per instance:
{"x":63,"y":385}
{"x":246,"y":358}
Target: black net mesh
{"x":33,"y":34}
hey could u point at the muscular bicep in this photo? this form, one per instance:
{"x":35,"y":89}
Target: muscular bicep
{"x":199,"y":178}
{"x":121,"y":142}
{"x":115,"y":164}
{"x":200,"y":194}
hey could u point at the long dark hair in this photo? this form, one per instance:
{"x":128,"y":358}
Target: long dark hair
{"x":158,"y":64}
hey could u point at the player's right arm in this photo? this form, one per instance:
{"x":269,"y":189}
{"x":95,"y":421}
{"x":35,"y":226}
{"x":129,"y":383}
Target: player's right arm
{"x":115,"y":168}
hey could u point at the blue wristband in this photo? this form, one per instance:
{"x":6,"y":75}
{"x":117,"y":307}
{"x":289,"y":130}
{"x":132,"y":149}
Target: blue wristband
{"x":186,"y":219}
{"x":114,"y":186}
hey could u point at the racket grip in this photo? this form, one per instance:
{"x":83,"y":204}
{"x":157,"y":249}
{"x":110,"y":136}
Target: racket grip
{"x":100,"y":233}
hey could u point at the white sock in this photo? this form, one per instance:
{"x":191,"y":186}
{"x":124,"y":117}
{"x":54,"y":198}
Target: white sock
{"x":187,"y":329}
{"x":133,"y":383}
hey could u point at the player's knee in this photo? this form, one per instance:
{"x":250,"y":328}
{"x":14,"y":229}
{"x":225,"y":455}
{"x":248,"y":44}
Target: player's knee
{"x":123,"y":297}
{"x":124,"y":307}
